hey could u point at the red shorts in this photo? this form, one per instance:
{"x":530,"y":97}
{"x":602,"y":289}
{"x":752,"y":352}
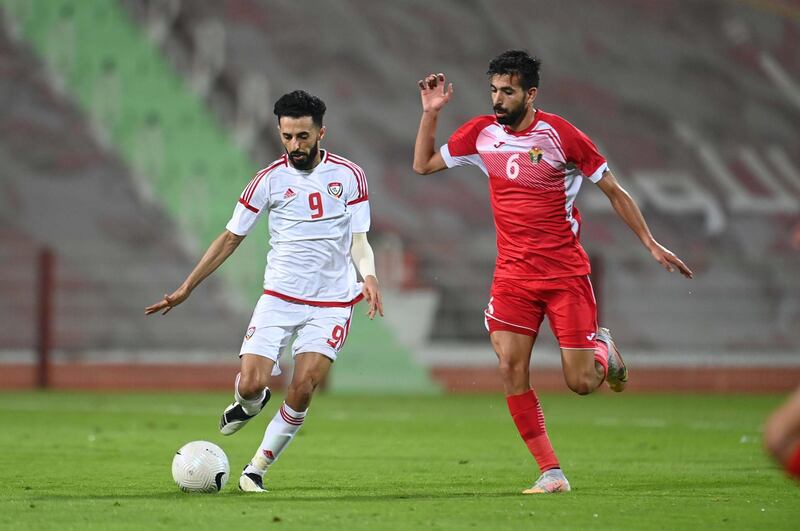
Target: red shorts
{"x":519,"y":306}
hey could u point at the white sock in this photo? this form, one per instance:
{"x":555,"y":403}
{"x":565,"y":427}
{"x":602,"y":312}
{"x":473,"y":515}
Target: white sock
{"x":280,"y":432}
{"x":249,"y":406}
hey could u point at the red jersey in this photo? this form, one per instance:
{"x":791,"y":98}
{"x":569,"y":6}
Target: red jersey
{"x":534,"y":178}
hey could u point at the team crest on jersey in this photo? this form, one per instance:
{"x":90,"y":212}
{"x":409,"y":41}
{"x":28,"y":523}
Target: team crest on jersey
{"x":335,"y":189}
{"x":250,"y":332}
{"x":535,"y":154}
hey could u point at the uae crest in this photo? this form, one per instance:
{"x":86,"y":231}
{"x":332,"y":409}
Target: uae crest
{"x":535,"y":154}
{"x":335,"y":189}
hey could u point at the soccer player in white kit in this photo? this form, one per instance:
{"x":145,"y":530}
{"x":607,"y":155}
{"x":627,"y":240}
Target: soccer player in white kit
{"x":318,"y":211}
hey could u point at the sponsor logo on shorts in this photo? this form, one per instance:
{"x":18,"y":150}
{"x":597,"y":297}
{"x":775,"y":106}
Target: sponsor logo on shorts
{"x":335,"y":189}
{"x":250,"y":332}
{"x":591,"y":336}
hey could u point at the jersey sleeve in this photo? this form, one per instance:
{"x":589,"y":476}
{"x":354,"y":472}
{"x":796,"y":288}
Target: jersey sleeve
{"x":581,"y":151}
{"x":251,"y":205}
{"x":461,"y":149}
{"x":358,"y":200}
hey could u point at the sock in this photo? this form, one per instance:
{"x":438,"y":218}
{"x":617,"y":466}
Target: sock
{"x":601,"y":356}
{"x":249,"y":406}
{"x":280,"y":432}
{"x":527,"y":414}
{"x":793,"y":465}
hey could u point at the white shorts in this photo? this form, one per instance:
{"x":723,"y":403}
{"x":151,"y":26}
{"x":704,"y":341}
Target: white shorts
{"x":275,"y":321}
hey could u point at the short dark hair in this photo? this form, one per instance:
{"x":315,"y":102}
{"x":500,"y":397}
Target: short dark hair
{"x":517,"y":62}
{"x":300,"y":103}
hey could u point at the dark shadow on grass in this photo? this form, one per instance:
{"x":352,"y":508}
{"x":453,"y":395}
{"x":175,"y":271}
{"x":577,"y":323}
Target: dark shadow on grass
{"x":284,"y":496}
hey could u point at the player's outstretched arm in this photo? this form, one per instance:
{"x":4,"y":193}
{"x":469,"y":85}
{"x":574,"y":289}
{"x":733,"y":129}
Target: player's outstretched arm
{"x":219,"y":251}
{"x":364,"y":258}
{"x":628,"y":210}
{"x":435,"y":94}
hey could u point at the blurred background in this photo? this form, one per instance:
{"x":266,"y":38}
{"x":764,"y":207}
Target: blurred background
{"x":129,"y":128}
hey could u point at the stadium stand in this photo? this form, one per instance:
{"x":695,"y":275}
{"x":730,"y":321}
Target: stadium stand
{"x":699,"y":124}
{"x":56,"y":170}
{"x":686,"y":122}
{"x":181,"y":163}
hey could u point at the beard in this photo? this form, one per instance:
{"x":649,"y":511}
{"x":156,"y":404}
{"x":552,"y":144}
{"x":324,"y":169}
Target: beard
{"x":511,"y":117}
{"x":304,"y":161}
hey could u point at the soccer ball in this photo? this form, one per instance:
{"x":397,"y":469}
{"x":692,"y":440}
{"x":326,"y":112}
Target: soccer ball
{"x":200,"y":466}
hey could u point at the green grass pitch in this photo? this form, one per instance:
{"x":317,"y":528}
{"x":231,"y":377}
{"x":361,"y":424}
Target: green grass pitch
{"x":102,"y":461}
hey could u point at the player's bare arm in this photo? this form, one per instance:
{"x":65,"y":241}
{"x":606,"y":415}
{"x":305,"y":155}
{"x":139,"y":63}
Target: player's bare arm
{"x":435,"y":94}
{"x":219,"y":251}
{"x":364,"y":258}
{"x":628,"y":210}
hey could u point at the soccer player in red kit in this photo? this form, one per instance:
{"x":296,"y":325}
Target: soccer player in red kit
{"x":536,"y":162}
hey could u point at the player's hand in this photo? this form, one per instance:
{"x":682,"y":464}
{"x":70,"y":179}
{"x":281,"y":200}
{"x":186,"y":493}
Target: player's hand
{"x":168,"y":302}
{"x":434,"y":92}
{"x":670,"y":262}
{"x":372,"y":294}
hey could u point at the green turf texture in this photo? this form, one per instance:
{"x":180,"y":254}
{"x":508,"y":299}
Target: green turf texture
{"x":102,"y":461}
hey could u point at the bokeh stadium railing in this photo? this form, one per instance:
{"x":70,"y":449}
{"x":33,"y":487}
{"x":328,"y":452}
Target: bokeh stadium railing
{"x":695,"y":106}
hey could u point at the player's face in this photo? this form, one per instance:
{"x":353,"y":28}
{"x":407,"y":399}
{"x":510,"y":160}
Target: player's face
{"x":509,"y":100}
{"x":300,"y":137}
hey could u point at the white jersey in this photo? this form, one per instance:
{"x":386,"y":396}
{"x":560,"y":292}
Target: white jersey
{"x":312,"y":217}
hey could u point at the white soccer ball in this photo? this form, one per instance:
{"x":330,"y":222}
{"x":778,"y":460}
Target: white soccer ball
{"x":200,"y":466}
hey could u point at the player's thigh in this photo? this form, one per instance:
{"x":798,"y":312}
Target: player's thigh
{"x":514,"y":358}
{"x":572,"y":311}
{"x":256,"y":367}
{"x":512,"y":348}
{"x":578,"y":366}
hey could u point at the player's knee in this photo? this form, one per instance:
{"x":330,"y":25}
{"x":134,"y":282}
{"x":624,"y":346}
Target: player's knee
{"x":510,"y":371}
{"x":252,"y":384}
{"x":581,"y":384}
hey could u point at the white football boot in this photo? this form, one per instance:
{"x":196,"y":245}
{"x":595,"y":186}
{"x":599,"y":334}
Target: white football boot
{"x":234,"y":418}
{"x":617,"y":377}
{"x":550,"y":482}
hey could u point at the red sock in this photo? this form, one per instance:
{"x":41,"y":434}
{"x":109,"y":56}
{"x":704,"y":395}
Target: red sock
{"x":793,"y":466}
{"x":527,"y":414}
{"x":601,"y":356}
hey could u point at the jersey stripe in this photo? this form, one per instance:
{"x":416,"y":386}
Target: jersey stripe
{"x":361,"y":179}
{"x":553,"y":135}
{"x":248,"y":206}
{"x":321,"y":304}
{"x":359,"y":200}
{"x":251,"y":188}
{"x":248,"y":191}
